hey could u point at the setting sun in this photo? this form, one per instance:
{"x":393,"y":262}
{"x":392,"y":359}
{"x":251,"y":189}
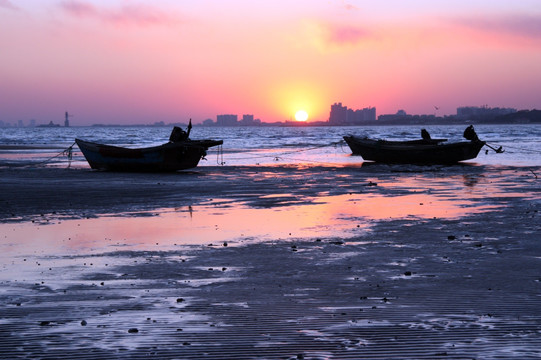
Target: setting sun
{"x":301,"y":115}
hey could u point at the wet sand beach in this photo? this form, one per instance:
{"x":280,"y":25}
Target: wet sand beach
{"x":272,"y":262}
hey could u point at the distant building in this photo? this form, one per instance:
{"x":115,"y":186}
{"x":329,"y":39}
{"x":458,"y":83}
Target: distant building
{"x":338,"y":115}
{"x":341,"y":115}
{"x":208,"y":122}
{"x":50,"y":124}
{"x":67,"y":121}
{"x":402,"y":117}
{"x":361,"y":116}
{"x":247,"y":120}
{"x":226,"y":120}
{"x":476,"y":112}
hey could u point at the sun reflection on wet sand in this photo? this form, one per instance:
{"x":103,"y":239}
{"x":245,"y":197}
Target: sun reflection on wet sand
{"x":419,"y":206}
{"x":222,"y":221}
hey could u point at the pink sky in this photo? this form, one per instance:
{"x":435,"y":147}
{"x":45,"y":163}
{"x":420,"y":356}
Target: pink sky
{"x":120,"y":61}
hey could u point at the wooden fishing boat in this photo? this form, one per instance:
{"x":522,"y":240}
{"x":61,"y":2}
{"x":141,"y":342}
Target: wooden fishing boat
{"x":422,"y":151}
{"x":177,"y":154}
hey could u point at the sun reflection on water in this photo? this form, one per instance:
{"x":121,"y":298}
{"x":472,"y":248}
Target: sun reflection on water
{"x":221,"y":221}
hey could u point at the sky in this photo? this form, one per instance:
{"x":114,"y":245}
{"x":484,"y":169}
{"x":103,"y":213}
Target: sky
{"x":140,"y":62}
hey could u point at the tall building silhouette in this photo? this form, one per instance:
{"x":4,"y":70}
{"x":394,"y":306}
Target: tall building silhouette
{"x":341,"y":115}
{"x":226,"y":120}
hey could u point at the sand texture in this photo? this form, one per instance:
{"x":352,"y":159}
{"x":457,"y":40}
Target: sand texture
{"x":398,"y":262}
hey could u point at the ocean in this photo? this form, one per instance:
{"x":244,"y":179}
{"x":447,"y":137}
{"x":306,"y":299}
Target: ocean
{"x":30,"y":147}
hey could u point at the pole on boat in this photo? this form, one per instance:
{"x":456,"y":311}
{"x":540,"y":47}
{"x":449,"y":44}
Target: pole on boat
{"x":189,"y":127}
{"x":471,"y":135}
{"x":498,"y":150}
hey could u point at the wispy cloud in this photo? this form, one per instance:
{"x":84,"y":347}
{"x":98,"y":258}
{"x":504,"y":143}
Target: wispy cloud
{"x":345,"y":35}
{"x":136,"y":14}
{"x":6,"y":4}
{"x":518,"y":25}
{"x":80,"y":8}
{"x":508,"y":30}
{"x":349,"y":6}
{"x":332,"y":35}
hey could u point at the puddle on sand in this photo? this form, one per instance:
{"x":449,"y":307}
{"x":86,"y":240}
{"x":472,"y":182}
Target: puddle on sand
{"x":210,"y":223}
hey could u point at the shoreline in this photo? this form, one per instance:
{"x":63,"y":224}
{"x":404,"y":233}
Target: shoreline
{"x":78,"y":193}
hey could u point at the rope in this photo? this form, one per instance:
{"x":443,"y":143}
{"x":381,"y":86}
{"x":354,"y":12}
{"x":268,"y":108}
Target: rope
{"x":518,"y":148}
{"x":341,"y":143}
{"x":220,"y":156}
{"x":277,"y":157}
{"x":68,"y":152}
{"x":312,"y":148}
{"x":304,"y":160}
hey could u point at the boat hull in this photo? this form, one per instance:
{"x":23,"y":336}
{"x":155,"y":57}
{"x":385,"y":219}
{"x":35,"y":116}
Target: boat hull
{"x":163,"y":158}
{"x":413,"y":153}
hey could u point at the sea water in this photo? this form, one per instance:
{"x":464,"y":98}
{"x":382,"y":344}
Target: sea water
{"x":264,"y":145}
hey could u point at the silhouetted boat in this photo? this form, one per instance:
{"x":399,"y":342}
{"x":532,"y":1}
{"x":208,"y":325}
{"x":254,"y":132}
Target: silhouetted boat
{"x":422,"y":151}
{"x":177,"y":154}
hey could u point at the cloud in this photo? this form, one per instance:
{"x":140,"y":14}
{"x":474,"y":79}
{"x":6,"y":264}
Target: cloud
{"x":6,"y":4}
{"x":342,"y":35}
{"x":518,"y":25}
{"x":349,"y":7}
{"x":135,"y":14}
{"x":331,"y":36}
{"x":80,"y":9}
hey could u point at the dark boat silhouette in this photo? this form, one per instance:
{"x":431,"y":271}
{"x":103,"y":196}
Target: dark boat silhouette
{"x":179,"y":153}
{"x":422,"y":151}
